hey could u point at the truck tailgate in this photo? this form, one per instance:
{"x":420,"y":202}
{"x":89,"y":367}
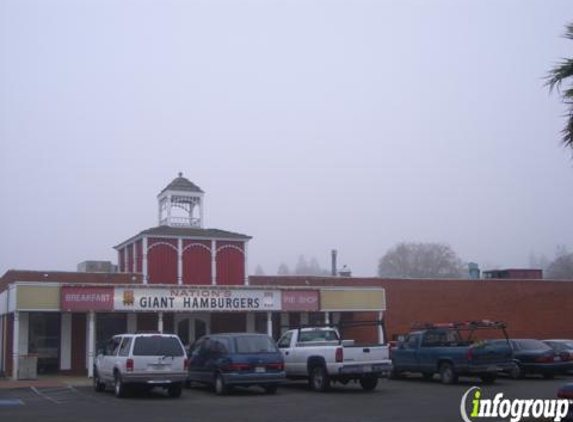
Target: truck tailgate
{"x":365,"y":354}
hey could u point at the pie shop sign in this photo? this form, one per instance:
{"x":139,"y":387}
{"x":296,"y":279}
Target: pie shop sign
{"x":195,"y":299}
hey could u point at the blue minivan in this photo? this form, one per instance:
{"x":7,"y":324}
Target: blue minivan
{"x":236,"y":359}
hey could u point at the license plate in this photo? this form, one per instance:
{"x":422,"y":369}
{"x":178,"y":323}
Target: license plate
{"x":260,"y":369}
{"x":367,"y":368}
{"x":557,"y":359}
{"x":157,"y":367}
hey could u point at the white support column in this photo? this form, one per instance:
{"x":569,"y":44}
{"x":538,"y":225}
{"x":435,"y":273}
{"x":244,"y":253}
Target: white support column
{"x":168,"y":210}
{"x":304,"y":318}
{"x":381,"y":339}
{"x":6,"y":351}
{"x":15,"y":344}
{"x":2,"y":343}
{"x":270,"y":323}
{"x":144,"y":260}
{"x":284,"y":322}
{"x":160,"y":322}
{"x":250,"y":322}
{"x":91,"y":343}
{"x":125,"y":259}
{"x":201,"y":223}
{"x":213,"y":262}
{"x":179,"y":261}
{"x":66,"y":341}
{"x":134,"y":263}
{"x":246,"y":258}
{"x":132,"y":323}
{"x":327,"y":318}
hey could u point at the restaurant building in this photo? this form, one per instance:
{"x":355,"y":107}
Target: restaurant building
{"x":177,"y":277}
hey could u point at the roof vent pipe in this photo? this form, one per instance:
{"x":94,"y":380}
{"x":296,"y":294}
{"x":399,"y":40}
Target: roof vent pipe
{"x":334,"y":270}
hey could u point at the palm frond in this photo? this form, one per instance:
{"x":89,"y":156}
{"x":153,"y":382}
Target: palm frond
{"x":568,"y":130}
{"x":559,"y":73}
{"x":569,"y":31}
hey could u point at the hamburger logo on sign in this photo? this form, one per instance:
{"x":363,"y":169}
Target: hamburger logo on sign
{"x":128,"y":297}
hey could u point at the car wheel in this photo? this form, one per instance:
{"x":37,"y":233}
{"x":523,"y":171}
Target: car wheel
{"x":271,"y":388}
{"x":368,"y":384}
{"x":175,"y":389}
{"x":98,"y":385}
{"x":517,"y":372}
{"x":220,"y":386}
{"x":119,"y":388}
{"x":319,"y":379}
{"x":447,"y":373}
{"x":488,"y":379}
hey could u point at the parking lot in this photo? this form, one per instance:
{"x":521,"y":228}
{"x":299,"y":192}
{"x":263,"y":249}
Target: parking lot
{"x":412,"y":399}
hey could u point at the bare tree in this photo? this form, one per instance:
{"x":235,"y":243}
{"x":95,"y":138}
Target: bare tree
{"x":538,"y":261}
{"x":302,"y":266}
{"x":259,"y":270}
{"x":283,"y":269}
{"x":421,"y":260}
{"x":562,"y":266}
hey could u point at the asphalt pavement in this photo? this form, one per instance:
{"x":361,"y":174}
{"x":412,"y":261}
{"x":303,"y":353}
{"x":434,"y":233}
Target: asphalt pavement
{"x":405,"y":400}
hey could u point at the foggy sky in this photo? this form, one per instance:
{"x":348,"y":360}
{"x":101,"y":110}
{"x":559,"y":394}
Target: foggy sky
{"x":310,"y":126}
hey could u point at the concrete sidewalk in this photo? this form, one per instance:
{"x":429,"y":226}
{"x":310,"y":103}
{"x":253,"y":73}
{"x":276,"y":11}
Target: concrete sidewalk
{"x":46,"y":381}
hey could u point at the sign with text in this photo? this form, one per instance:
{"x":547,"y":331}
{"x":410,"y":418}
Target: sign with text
{"x":86,"y":298}
{"x":300,"y":300}
{"x":195,"y":299}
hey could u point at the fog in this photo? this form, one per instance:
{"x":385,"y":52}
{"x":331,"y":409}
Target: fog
{"x":310,"y":126}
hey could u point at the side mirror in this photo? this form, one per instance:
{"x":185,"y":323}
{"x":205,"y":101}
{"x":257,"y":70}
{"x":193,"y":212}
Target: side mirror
{"x":100,"y":351}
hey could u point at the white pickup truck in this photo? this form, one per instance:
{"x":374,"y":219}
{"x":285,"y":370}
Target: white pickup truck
{"x":321,"y":356}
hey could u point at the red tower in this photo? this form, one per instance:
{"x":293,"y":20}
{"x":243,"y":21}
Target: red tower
{"x":180,"y":250}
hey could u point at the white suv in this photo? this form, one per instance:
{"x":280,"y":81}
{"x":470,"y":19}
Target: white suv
{"x":141,"y":359}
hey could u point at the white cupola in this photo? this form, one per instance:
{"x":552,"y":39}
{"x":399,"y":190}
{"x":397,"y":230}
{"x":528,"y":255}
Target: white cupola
{"x":181,"y":204}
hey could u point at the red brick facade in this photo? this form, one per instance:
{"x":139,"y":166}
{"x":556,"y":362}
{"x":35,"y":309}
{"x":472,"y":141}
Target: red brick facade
{"x":532,"y":308}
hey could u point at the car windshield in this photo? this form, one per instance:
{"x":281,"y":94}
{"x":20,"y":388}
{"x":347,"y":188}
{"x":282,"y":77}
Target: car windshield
{"x":318,"y":335}
{"x":532,"y":345}
{"x":567,"y":343}
{"x":255,"y":344}
{"x":157,"y":346}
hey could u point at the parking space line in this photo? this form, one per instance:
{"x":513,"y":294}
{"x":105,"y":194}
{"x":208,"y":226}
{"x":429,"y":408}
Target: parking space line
{"x":45,"y":396}
{"x":11,"y":402}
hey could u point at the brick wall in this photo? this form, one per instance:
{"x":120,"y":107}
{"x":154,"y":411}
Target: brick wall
{"x":532,"y":308}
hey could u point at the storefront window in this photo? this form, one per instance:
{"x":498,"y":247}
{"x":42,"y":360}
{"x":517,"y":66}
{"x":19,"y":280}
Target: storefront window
{"x":315,"y":318}
{"x":183,"y":331}
{"x":44,"y":340}
{"x":261,"y":323}
{"x":108,"y":325}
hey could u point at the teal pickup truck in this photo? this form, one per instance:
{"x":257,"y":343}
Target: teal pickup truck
{"x":452,"y":350}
